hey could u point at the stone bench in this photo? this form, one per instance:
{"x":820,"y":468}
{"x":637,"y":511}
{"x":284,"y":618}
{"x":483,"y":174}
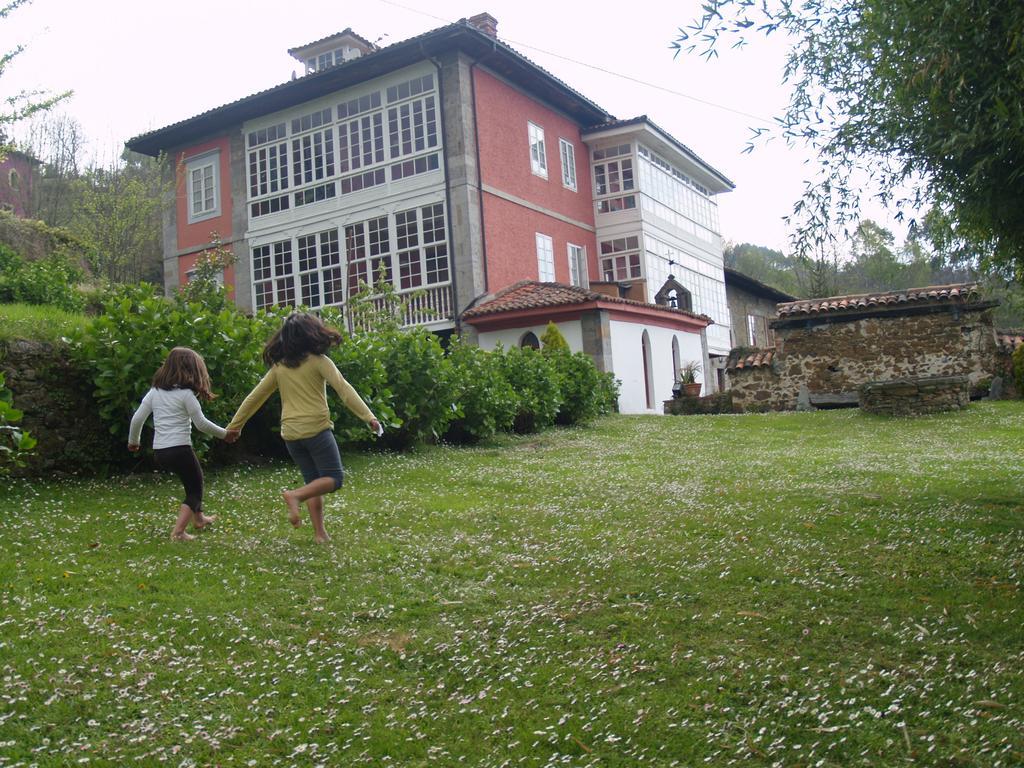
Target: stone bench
{"x":914,"y":397}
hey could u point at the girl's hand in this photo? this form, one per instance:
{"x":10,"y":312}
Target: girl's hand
{"x":133,"y":447}
{"x":378,"y":430}
{"x":232,"y":435}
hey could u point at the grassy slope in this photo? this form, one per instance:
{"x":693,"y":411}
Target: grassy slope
{"x":804,"y":589}
{"x":37,"y":322}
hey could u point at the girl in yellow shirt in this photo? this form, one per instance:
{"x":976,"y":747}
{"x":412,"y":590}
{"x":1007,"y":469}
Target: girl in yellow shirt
{"x":300,"y":369}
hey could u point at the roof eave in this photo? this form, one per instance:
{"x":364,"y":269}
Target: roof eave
{"x":715,"y":178}
{"x":460,"y":35}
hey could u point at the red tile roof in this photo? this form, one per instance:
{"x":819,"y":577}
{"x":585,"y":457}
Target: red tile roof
{"x":744,"y":357}
{"x":959,"y":293}
{"x":530,"y":294}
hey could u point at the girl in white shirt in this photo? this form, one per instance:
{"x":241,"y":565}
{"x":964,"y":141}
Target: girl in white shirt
{"x":174,"y":402}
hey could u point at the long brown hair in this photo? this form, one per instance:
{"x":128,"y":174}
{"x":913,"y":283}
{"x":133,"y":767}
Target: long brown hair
{"x":184,"y":368}
{"x":300,"y":335}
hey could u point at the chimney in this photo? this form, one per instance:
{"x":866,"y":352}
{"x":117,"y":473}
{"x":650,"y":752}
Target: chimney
{"x":485,"y":23}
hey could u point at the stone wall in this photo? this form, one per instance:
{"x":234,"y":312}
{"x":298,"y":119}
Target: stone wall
{"x":719,"y":402}
{"x":914,"y":397}
{"x":59,"y":411}
{"x":833,"y":359}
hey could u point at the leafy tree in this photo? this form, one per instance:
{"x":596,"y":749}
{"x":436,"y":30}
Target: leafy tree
{"x":909,"y":94}
{"x":59,"y":142}
{"x":119,"y":215}
{"x":22,"y":104}
{"x":765,"y":264}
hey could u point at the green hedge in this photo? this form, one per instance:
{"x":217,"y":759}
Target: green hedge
{"x":420,"y":392}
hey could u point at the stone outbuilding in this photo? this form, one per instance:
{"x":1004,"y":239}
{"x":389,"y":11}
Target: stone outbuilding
{"x":830,"y":347}
{"x":752,"y":307}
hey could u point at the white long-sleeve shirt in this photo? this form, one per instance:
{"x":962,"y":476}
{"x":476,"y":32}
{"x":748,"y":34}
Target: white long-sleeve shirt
{"x":174,"y":411}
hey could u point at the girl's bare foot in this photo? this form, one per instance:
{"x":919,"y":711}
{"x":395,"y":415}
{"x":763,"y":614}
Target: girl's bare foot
{"x":294,"y":515}
{"x":181,"y":536}
{"x":321,"y":538}
{"x":202,"y":521}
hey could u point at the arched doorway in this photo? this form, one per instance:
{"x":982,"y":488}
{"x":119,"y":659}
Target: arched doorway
{"x":529,"y":339}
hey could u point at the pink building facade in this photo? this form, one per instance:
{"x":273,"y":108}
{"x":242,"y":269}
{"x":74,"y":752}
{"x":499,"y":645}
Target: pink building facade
{"x":454,"y":168}
{"x":17,"y":179}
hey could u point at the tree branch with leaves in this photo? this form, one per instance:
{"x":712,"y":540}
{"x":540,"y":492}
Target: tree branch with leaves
{"x":920,"y":99}
{"x":24,"y":103}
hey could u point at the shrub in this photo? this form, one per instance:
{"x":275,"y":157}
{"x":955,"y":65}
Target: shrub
{"x":124,"y":346}
{"x":535,"y":383}
{"x":15,"y":444}
{"x":552,"y":339}
{"x":608,"y":393}
{"x":51,"y":280}
{"x":485,"y":401}
{"x":582,"y":388}
{"x":361,"y":361}
{"x":403,"y":375}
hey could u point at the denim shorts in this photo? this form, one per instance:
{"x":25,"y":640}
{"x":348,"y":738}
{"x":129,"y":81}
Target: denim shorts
{"x":317,"y":457}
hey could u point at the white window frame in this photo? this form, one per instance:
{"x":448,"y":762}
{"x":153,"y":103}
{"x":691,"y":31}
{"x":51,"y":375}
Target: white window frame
{"x":567,"y":152}
{"x":577,"y":265}
{"x":545,"y":258}
{"x":752,"y":331}
{"x":538,"y":151}
{"x":198,"y":164}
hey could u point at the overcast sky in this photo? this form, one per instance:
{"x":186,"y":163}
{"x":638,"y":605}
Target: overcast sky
{"x":137,"y":65}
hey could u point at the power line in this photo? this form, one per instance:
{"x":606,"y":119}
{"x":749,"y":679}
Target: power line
{"x":596,"y":68}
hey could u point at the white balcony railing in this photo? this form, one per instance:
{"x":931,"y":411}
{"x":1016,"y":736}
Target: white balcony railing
{"x":422,"y":306}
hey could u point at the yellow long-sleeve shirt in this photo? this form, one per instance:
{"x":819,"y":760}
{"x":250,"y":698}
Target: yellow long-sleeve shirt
{"x":304,"y":410}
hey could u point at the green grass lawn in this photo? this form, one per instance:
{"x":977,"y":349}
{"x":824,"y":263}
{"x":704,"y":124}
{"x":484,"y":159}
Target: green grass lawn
{"x":826,"y":589}
{"x":38,"y":322}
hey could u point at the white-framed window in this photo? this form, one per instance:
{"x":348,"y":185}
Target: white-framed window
{"x":759,"y":334}
{"x":620,"y":259}
{"x":578,"y":265}
{"x":323,"y":268}
{"x":613,"y":177}
{"x":568,"y":155}
{"x":190,"y":275}
{"x":273,"y":274}
{"x":202,"y":177}
{"x":538,"y":154}
{"x":369,"y":140}
{"x":545,"y":259}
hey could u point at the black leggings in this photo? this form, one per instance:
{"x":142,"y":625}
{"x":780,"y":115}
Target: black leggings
{"x":182,"y":461}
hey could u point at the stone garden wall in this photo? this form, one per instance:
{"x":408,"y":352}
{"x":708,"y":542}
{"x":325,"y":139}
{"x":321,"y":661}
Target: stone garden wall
{"x":914,"y":397}
{"x":59,"y":411}
{"x":833,"y":359}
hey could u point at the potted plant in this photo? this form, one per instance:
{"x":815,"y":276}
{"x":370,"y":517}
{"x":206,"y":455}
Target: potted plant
{"x":688,"y":378}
